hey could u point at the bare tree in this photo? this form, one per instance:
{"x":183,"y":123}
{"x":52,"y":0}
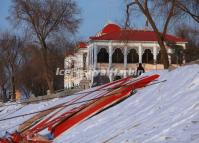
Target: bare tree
{"x":31,"y":79}
{"x":190,"y":8}
{"x":189,"y":33}
{"x":147,"y":7}
{"x":10,"y":48}
{"x":3,"y":79}
{"x":192,"y":36}
{"x":45,"y":19}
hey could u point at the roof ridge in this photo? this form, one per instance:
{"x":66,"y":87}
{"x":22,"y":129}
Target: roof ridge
{"x":120,"y":35}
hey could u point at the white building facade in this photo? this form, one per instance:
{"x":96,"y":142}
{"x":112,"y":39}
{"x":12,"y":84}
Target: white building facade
{"x":113,"y":50}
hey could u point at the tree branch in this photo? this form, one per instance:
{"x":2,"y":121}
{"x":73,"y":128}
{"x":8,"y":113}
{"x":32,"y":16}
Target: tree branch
{"x":186,"y":10}
{"x":127,"y":23}
{"x":170,"y":14}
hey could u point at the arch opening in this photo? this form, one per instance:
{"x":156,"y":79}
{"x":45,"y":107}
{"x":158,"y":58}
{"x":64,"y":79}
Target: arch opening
{"x":118,"y":56}
{"x":132,"y":56}
{"x":147,"y":57}
{"x":103,"y":56}
{"x":159,"y":60}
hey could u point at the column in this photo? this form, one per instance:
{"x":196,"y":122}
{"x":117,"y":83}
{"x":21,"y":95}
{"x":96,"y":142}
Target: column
{"x":110,"y":55}
{"x":155,"y":55}
{"x":125,"y":57}
{"x":184,"y":58}
{"x":140,"y":53}
{"x":92,"y":77}
{"x":169,"y":57}
{"x":95,"y":57}
{"x":110,"y":75}
{"x":169,"y":52}
{"x":91,"y":56}
{"x":88,"y":57}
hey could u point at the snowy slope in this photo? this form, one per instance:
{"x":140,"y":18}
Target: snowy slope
{"x":14,"y":109}
{"x":163,"y":113}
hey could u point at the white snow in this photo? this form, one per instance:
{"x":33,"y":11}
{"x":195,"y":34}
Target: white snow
{"x":163,"y":113}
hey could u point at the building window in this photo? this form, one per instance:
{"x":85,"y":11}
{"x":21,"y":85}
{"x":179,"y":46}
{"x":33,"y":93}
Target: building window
{"x":147,"y":57}
{"x":132,"y":56}
{"x":159,"y":61}
{"x":84,"y":61}
{"x":102,"y":56}
{"x":118,"y":56}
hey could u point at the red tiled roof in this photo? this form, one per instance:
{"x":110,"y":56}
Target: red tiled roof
{"x":132,"y":35}
{"x":82,"y":45}
{"x":109,"y":28}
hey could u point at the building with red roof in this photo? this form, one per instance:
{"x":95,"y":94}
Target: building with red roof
{"x":114,"y":32}
{"x":122,"y":49}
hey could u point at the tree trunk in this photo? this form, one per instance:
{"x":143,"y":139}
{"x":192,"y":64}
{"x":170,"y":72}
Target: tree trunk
{"x":50,"y":85}
{"x":13,"y":88}
{"x":3,"y":94}
{"x":48,"y":77}
{"x":164,"y":54}
{"x":160,"y":37}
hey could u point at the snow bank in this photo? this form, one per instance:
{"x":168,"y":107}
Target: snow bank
{"x":164,"y":113}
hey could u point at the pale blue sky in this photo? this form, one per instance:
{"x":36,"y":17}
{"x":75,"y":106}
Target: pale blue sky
{"x":95,"y":14}
{"x":4,"y":12}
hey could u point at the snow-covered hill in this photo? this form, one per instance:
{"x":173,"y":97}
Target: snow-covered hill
{"x":164,"y":113}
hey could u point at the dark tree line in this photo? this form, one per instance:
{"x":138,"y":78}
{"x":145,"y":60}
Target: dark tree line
{"x":21,"y":66}
{"x":45,"y":19}
{"x":11,"y":54}
{"x":30,"y":63}
{"x":192,"y":35}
